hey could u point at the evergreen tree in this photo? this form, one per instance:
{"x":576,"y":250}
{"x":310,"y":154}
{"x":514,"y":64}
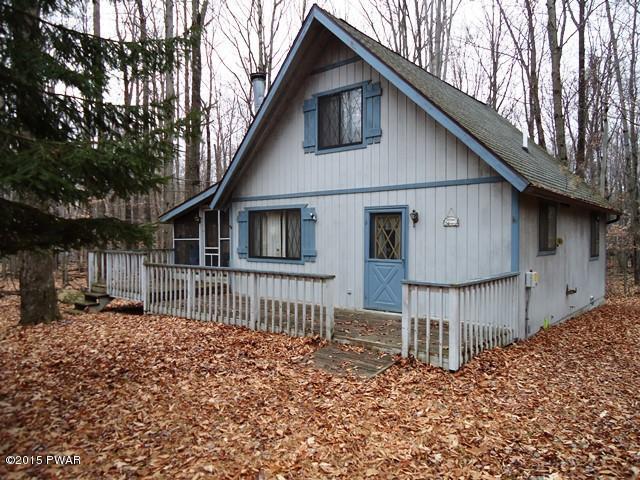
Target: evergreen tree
{"x":61,"y":145}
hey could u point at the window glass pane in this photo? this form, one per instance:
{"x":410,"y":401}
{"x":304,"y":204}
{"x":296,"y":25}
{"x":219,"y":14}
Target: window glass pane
{"x":274,"y":234}
{"x":187,"y":252}
{"x":548,"y":227}
{"x":340,"y":118}
{"x":329,"y":121}
{"x":211,"y":228}
{"x":595,"y":235}
{"x":186,"y":226}
{"x":386,"y":236}
{"x":351,"y":121}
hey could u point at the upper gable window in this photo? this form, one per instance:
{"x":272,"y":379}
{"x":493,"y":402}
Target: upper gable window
{"x":340,"y":119}
{"x":547,"y":227}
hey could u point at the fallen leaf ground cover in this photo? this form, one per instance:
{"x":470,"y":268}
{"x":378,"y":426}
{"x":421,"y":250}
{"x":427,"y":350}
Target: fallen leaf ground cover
{"x":143,"y":396}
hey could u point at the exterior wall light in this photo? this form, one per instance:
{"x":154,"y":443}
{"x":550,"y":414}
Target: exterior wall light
{"x":415,"y":217}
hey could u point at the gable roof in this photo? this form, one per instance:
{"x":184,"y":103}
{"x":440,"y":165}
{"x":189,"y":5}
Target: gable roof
{"x":202,"y":198}
{"x":478,"y":126}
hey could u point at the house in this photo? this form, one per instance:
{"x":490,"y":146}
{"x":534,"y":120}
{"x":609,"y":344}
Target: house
{"x":405,"y":195}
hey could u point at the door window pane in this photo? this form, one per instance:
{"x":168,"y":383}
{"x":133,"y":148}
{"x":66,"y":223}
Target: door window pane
{"x":386,"y":236}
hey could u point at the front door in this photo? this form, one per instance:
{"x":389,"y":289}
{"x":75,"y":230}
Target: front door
{"x":385,"y":258}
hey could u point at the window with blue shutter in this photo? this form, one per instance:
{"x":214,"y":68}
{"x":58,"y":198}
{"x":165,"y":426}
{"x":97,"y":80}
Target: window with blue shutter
{"x":309,"y":110}
{"x":243,"y":234}
{"x":309,"y":252}
{"x":372,"y":129}
{"x":282,"y":234}
{"x":343,"y":119}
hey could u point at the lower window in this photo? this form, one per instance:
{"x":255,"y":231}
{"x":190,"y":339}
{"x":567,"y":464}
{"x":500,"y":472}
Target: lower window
{"x":275,"y":234}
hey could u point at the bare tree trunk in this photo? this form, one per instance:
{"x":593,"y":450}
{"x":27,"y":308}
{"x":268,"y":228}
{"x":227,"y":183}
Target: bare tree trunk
{"x":556,"y":80}
{"x":38,"y":301}
{"x":168,"y":197}
{"x":581,"y":143}
{"x":192,"y":165}
{"x":627,"y":109}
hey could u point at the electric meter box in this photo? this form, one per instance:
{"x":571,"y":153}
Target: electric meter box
{"x":531,"y":279}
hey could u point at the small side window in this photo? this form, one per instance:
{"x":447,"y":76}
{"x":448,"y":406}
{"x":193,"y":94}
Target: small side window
{"x":594,"y":249}
{"x":547,"y":227}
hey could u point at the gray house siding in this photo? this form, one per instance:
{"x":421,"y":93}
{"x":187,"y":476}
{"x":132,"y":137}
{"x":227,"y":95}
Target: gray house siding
{"x":417,"y":164}
{"x":570,"y":266}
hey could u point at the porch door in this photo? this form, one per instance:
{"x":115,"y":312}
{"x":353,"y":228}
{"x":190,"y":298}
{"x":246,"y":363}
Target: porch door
{"x":385,"y":258}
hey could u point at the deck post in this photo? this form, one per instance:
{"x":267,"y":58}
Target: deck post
{"x":190,"y":292}
{"x":91,"y":267}
{"x":406,"y":317}
{"x":144,"y":288}
{"x":454,"y":329}
{"x":255,"y":302}
{"x":330,"y":313}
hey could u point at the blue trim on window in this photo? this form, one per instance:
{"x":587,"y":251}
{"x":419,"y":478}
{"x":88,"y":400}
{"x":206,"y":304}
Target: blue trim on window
{"x":295,"y":261}
{"x":593,"y":259}
{"x":515,"y":230}
{"x":346,"y":148}
{"x":546,"y":253}
{"x":340,"y":148}
{"x":381,"y":188}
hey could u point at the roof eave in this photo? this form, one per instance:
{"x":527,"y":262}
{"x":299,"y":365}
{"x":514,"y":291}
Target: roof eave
{"x":562,"y":198}
{"x":190,"y":203}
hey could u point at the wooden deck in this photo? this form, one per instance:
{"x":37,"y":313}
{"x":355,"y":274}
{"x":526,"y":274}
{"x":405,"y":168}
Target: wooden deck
{"x":383,"y":332}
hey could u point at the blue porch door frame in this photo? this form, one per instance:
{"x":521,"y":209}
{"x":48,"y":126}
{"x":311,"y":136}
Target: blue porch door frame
{"x":385,"y":259}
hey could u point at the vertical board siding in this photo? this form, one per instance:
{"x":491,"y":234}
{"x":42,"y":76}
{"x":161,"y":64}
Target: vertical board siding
{"x":571,"y":264}
{"x":413,"y":149}
{"x":340,"y":237}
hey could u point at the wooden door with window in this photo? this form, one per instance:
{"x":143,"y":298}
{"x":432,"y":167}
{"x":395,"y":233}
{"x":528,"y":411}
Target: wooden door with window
{"x":385,"y":257}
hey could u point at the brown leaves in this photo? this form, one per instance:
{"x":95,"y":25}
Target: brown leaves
{"x":140,"y":396}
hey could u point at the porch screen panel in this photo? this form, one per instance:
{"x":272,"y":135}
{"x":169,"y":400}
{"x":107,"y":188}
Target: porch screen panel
{"x":186,"y":242}
{"x":274,"y":234}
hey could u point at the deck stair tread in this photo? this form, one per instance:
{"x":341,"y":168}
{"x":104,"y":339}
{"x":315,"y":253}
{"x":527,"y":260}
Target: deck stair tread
{"x":341,"y":361}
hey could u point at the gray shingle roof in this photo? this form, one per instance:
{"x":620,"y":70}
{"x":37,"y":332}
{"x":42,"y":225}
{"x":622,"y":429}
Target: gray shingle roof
{"x":537,"y":166}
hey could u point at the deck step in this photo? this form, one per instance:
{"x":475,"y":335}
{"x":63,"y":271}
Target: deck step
{"x":94,"y":301}
{"x":365,"y":364}
{"x":366,"y":343}
{"x":99,"y":288}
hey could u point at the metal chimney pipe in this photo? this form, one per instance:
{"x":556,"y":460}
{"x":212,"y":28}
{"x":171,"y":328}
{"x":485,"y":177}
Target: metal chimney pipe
{"x":525,"y":142}
{"x":258,"y":84}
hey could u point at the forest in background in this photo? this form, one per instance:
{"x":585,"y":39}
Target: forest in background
{"x":565,"y":72}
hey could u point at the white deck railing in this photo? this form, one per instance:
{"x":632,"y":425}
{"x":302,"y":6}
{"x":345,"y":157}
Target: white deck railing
{"x":448,"y":324}
{"x":296,"y":304}
{"x":122,"y":272}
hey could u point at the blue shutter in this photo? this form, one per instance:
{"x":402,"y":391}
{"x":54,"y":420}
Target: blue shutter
{"x":243,"y":234}
{"x":309,"y":252}
{"x":372,"y":129}
{"x":309,"y":109}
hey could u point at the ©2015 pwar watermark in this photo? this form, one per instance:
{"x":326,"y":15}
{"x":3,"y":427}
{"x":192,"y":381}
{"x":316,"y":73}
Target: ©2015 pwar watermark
{"x":61,"y":460}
